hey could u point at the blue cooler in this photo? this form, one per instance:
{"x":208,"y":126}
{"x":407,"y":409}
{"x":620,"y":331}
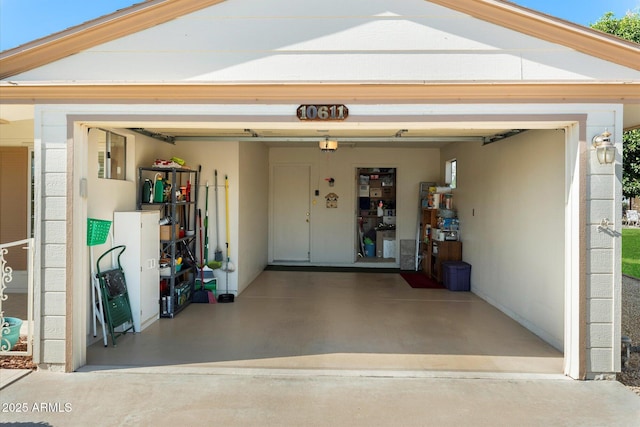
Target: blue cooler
{"x":456,"y":275}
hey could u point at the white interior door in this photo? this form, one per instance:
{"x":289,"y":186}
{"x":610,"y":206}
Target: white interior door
{"x":291,"y":214}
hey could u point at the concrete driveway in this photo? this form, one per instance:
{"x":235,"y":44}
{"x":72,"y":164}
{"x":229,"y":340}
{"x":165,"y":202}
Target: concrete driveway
{"x":263,"y":397}
{"x":382,"y":354}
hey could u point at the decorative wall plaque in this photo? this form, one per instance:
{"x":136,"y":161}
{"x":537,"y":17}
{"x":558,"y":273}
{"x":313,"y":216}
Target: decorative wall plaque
{"x":324,"y":112}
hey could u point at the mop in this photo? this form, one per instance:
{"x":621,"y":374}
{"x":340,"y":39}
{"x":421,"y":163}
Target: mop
{"x":206,"y":226}
{"x":227,"y":266}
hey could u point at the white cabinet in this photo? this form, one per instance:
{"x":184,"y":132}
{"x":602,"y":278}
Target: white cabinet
{"x":139,"y":231}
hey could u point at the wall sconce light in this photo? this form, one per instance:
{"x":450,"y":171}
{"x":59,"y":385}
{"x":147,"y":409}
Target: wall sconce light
{"x":328,"y":144}
{"x":605,"y":150}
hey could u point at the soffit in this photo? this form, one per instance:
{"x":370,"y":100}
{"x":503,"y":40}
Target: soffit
{"x":347,"y":93}
{"x":627,"y":94}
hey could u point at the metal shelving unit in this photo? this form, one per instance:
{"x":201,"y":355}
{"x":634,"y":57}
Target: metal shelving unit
{"x":179,"y":285}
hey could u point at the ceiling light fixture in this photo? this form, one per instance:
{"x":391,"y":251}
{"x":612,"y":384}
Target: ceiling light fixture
{"x":328,"y":144}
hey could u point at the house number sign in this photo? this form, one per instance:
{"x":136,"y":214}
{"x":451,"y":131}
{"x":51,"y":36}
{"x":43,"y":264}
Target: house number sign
{"x":322,"y":112}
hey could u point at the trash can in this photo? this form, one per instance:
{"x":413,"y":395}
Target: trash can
{"x":456,"y":275}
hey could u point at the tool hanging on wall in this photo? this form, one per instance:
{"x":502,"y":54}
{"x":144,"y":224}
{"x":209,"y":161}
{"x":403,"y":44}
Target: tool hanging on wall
{"x":218,"y":253}
{"x":200,"y":294}
{"x":206,"y":224}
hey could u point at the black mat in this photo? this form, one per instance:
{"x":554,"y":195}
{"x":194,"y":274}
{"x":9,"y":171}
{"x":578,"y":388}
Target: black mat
{"x":330,"y":269}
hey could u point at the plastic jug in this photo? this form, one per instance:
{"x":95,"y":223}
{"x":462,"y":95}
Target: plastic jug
{"x":146,"y":191}
{"x":158,"y":189}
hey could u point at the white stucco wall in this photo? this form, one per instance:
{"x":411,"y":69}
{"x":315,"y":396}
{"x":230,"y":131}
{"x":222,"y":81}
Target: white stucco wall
{"x":333,"y":231}
{"x":331,"y":40}
{"x":510,"y":201}
{"x":524,"y":277}
{"x":223,"y":156}
{"x":253,"y":218}
{"x":604,"y":248}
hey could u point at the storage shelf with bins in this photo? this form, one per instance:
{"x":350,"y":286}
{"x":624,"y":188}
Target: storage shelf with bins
{"x":435,"y":252}
{"x":375,"y":186}
{"x":178,"y":238}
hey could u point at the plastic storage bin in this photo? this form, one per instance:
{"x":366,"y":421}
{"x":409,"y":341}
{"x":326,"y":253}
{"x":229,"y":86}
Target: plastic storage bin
{"x":456,"y":275}
{"x":370,"y":249}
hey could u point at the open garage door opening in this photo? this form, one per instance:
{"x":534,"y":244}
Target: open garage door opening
{"x":509,"y":200}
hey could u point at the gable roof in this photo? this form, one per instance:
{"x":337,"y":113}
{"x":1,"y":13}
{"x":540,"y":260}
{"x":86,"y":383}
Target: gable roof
{"x":154,"y":12}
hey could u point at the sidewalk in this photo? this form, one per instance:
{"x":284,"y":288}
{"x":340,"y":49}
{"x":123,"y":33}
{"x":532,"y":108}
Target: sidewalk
{"x":9,"y":376}
{"x":193,"y":396}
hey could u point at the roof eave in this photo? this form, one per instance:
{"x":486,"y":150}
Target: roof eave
{"x":546,"y":27}
{"x":121,"y":23}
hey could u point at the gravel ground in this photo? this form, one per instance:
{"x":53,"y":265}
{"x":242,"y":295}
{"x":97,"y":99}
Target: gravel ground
{"x":631,"y":328}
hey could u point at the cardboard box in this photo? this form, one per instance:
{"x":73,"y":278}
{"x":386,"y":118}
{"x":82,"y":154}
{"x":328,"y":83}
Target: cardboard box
{"x":165,"y":231}
{"x":388,"y":248}
{"x":382,"y":239}
{"x":388,"y":192}
{"x":364,"y":190}
{"x":375,"y":192}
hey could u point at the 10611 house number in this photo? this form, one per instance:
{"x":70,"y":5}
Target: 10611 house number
{"x":323,"y":112}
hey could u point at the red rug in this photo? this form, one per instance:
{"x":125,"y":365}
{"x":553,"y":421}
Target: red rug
{"x":420,"y":280}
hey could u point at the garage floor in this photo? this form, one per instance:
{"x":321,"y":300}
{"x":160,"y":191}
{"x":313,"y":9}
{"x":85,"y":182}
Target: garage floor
{"x":337,"y":321}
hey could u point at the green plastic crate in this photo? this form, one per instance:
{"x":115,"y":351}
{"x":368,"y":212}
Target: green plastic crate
{"x":97,"y":231}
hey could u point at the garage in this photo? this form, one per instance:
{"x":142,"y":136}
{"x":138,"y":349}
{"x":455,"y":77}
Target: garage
{"x":415,"y":162}
{"x":530,"y":194}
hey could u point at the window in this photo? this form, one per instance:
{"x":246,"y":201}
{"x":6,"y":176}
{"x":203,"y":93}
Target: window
{"x":112,"y":149}
{"x":451,"y":173}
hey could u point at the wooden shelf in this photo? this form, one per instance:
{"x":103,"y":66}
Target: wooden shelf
{"x":436,"y":252}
